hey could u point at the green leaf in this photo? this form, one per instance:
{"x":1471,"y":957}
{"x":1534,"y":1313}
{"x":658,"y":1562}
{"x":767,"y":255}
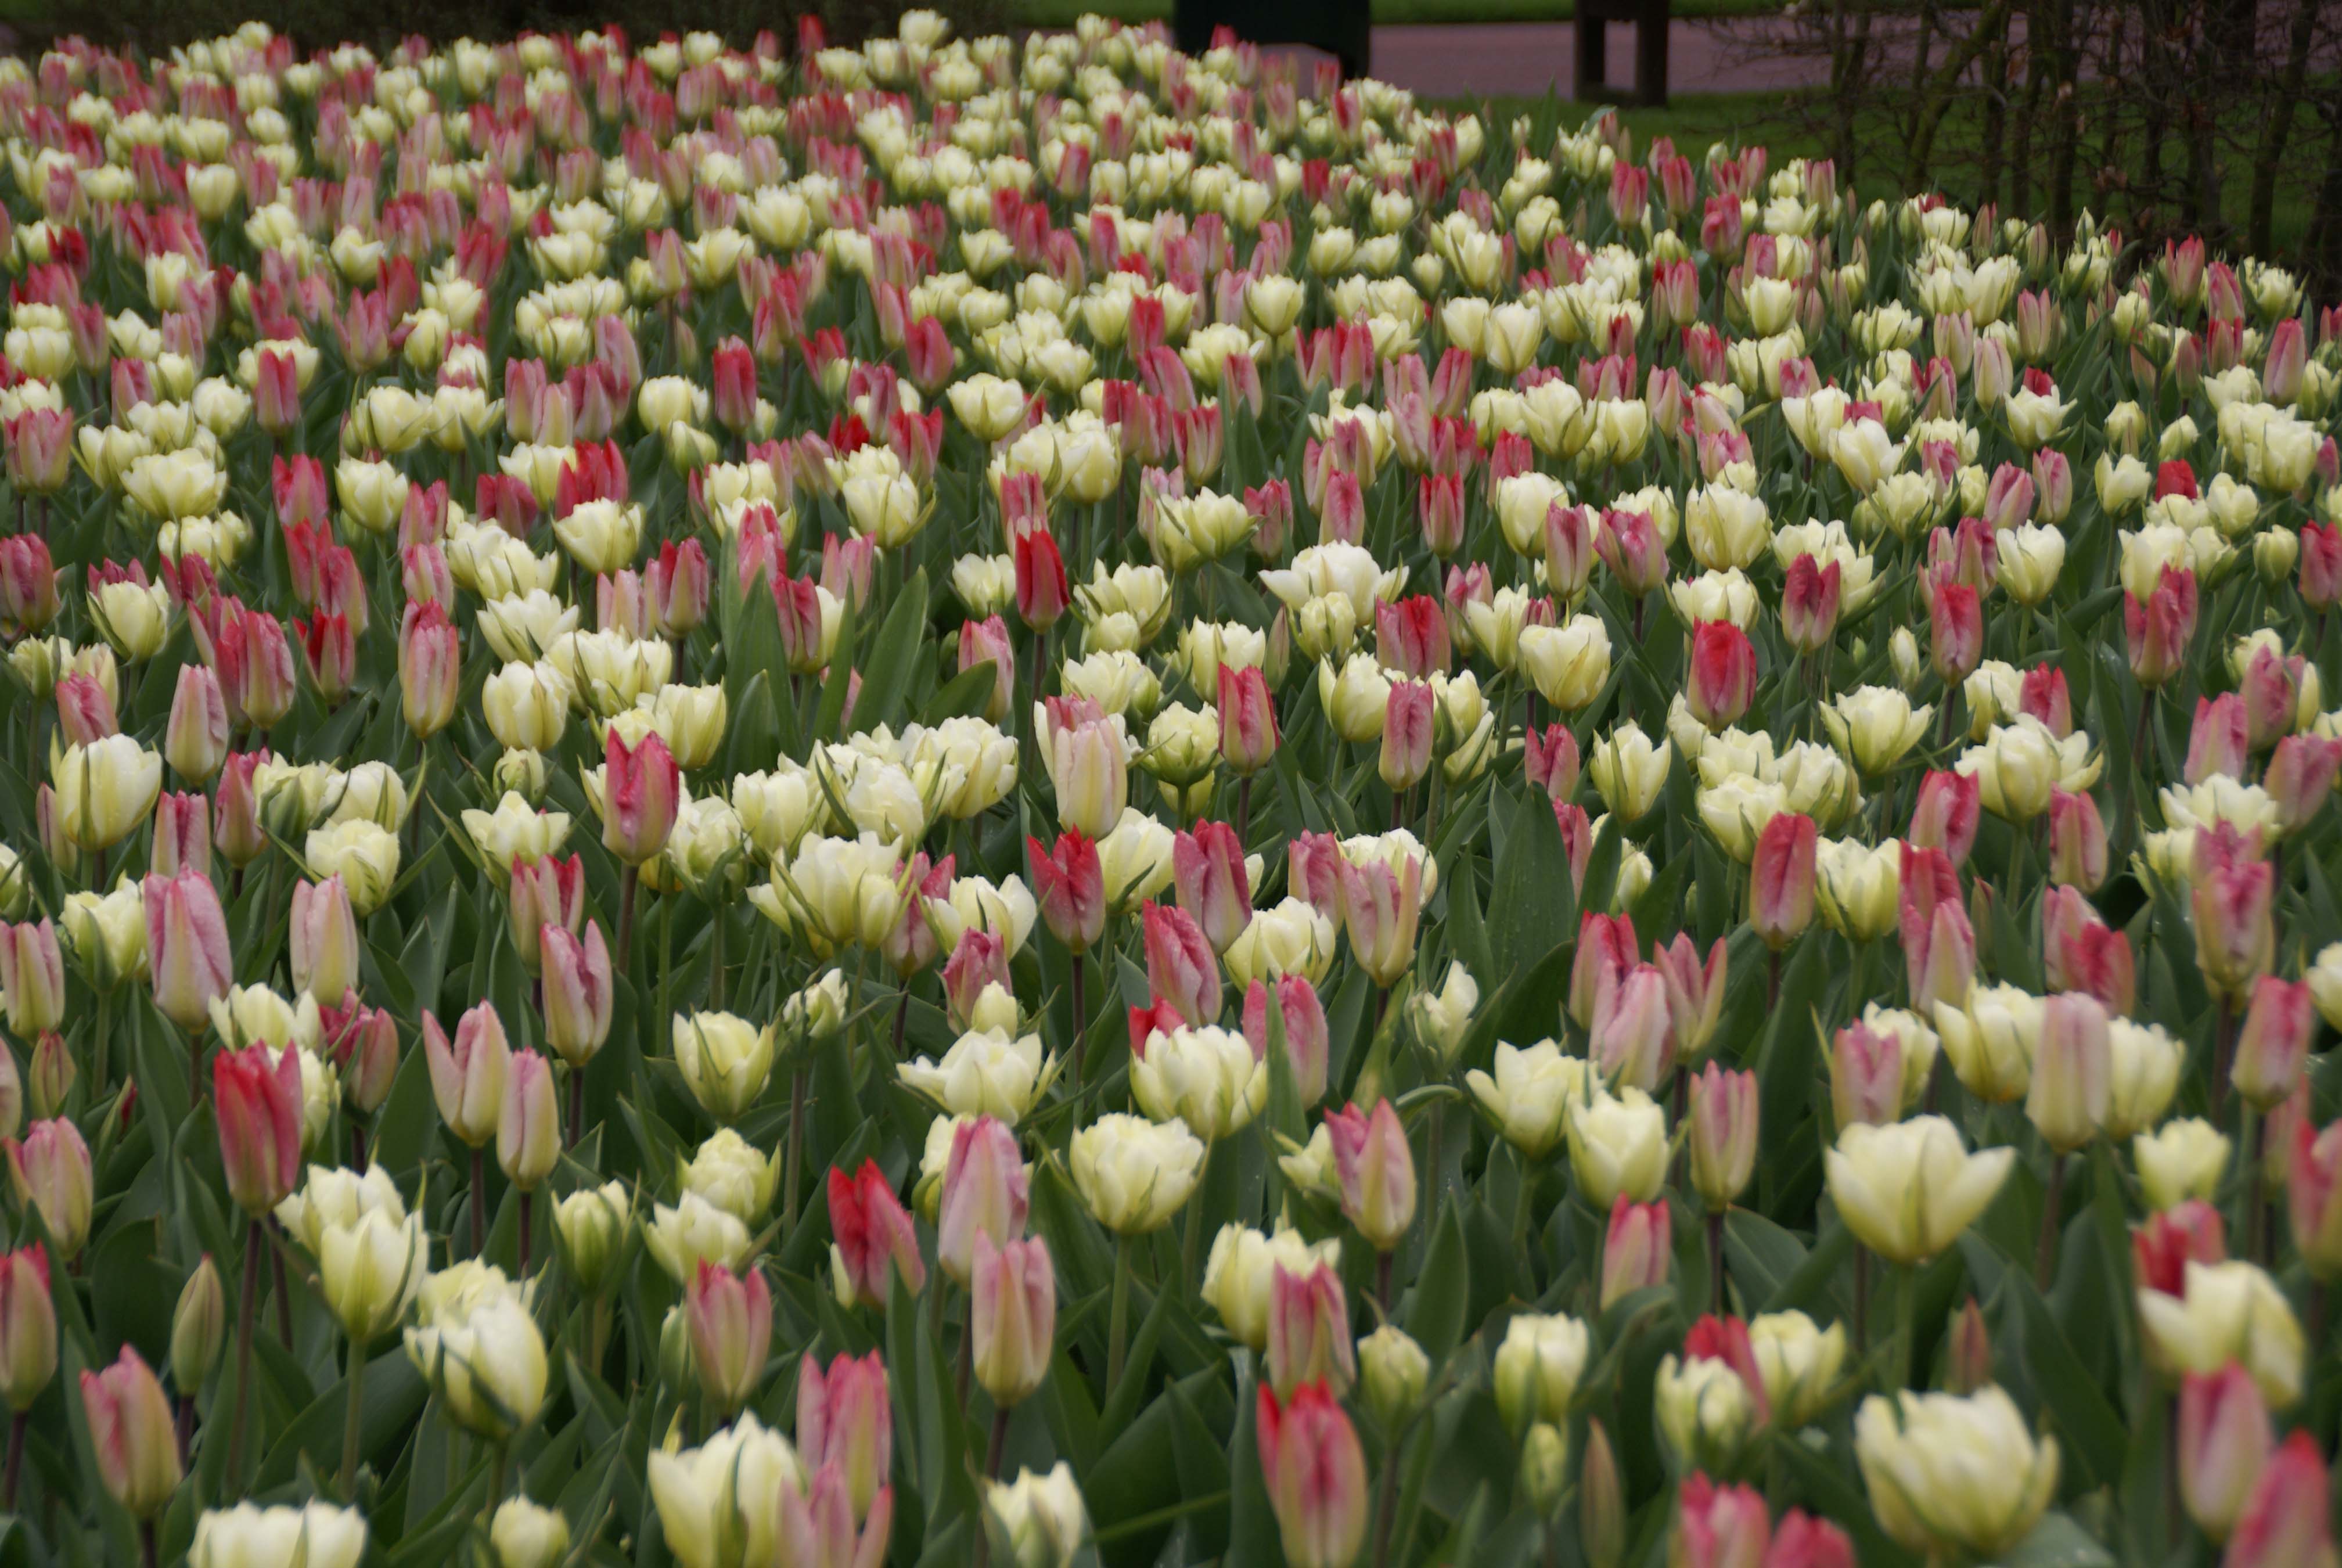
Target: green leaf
{"x":2057,"y":1542}
{"x":1434,"y":1314}
{"x":2088,"y":1424}
{"x":902,"y":637}
{"x":1532,"y":899}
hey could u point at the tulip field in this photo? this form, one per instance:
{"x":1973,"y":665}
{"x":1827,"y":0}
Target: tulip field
{"x":947,"y":800}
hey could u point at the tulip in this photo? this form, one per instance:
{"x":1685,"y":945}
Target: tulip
{"x":2221,"y":1312}
{"x":105,"y":790}
{"x":32,"y":978}
{"x":1042,"y":596}
{"x":1723,"y":1108}
{"x":1308,"y":1330}
{"x":1302,"y":1016}
{"x":50,"y":1169}
{"x":1938,"y":941}
{"x":1247,"y":713}
{"x":844,"y":1420}
{"x":259,"y":1102}
{"x":2072,"y":1070}
{"x":1568,"y":664}
{"x":725,"y":1061}
{"x":1380,"y":906}
{"x":985,"y":1191}
{"x":1135,"y":1174}
{"x":525,"y":1535}
{"x":1722,"y":679}
{"x":1013,"y":1316}
{"x":1711,"y":1401}
{"x":1909,"y":1189}
{"x":1316,"y":1474}
{"x":1721,"y":1526}
{"x":1617,"y":1144}
{"x":312,"y":1535}
{"x":1632,"y":1035}
{"x":325,"y":940}
{"x":1376,"y":1172}
{"x":132,"y":1433}
{"x":198,"y":1325}
{"x":1407,"y":735}
{"x":641,"y":789}
{"x":1209,"y":876}
{"x":1069,"y":884}
{"x":579,"y":991}
{"x":1088,"y":763}
{"x":1635,"y":1252}
{"x":2285,"y":1519}
{"x":484,"y":1360}
{"x":1946,"y":814}
{"x":2225,"y":1442}
{"x":1036,"y":1521}
{"x":29,"y":1326}
{"x":1695,"y":990}
{"x":1952,"y":1474}
{"x":1781,"y":880}
{"x":589,"y":1229}
{"x":2273,"y":1047}
{"x":719,"y":1504}
{"x":528,"y":1122}
{"x":730,"y":1320}
{"x":1205,"y":1077}
{"x":195,"y":740}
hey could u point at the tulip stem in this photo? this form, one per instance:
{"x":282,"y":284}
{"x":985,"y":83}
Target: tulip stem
{"x":147,"y":1542}
{"x":498,"y":1456}
{"x":1117,"y":1334}
{"x":1081,"y":1019}
{"x":253,"y":1241}
{"x":1387,"y":1509}
{"x":2224,"y":1051}
{"x":350,"y":1422}
{"x":1195,"y":1227}
{"x":1715,"y":1261}
{"x":2045,"y":1262}
{"x":479,"y":1202}
{"x":629,"y":878}
{"x":1861,"y":1300}
{"x":796,"y":1140}
{"x":284,"y":1296}
{"x":1910,"y":1326}
{"x":15,"y":1457}
{"x":576,"y":1105}
{"x":521,"y":1269}
{"x":2253,"y":1139}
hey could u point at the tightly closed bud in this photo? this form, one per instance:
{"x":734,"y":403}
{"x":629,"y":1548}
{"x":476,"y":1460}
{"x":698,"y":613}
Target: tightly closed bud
{"x":199,"y":1328}
{"x":1968,"y":1354}
{"x":1376,"y":1170}
{"x":528,"y":1122}
{"x":1308,"y":1330}
{"x":2285,"y":1520}
{"x":579,"y":992}
{"x":1316,"y":1476}
{"x":525,"y":1535}
{"x":29,"y":1326}
{"x":186,"y":946}
{"x":1601,"y":1502}
{"x":131,"y":1434}
{"x":1723,"y":1134}
{"x":730,"y":1320}
{"x":1247,"y":713}
{"x":325,"y":940}
{"x":1635,"y":1254}
{"x":194,"y":743}
{"x":2072,"y":1070}
{"x":1037,"y":1521}
{"x":1013,"y":1316}
{"x":53,"y":1075}
{"x":2226,"y":1443}
{"x":467,"y":1074}
{"x":1393,"y":1372}
{"x":32,"y":978}
{"x":2272,"y":1046}
{"x":1781,"y":879}
{"x":590,"y":1227}
{"x":257,"y":1091}
{"x":846,"y":1422}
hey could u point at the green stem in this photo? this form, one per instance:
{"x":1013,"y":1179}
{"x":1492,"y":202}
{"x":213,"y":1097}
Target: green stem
{"x":351,"y":1421}
{"x":497,"y":1459}
{"x":796,"y":1143}
{"x":1194,"y":1238}
{"x":1911,"y":1331}
{"x":1118,"y":1316}
{"x":247,"y":1310}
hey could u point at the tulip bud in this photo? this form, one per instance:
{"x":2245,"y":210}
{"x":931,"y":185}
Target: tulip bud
{"x":1381,"y":906}
{"x":2285,"y":1519}
{"x":467,"y":1074}
{"x":525,"y":1535}
{"x":2272,"y":1046}
{"x":1209,"y":878}
{"x":257,"y":1090}
{"x":874,"y":1238}
{"x":544,"y":890}
{"x":1376,"y":1170}
{"x":1632,"y":1037}
{"x":1393,"y":1372}
{"x":1309,"y":1329}
{"x":1013,"y":1316}
{"x":131,"y":1434}
{"x":1781,"y":879}
{"x":32,"y":978}
{"x":1069,"y":884}
{"x":2072,"y":1069}
{"x":1316,"y":1476}
{"x":730,"y":1319}
{"x":195,"y":741}
{"x":236,"y":830}
{"x":2078,"y":840}
{"x":528,"y":1122}
{"x":53,"y":1074}
{"x":1723,"y":1134}
{"x":29,"y":1326}
{"x":1302,"y":1013}
{"x":2225,"y":1443}
{"x":430,"y":665}
{"x":1723,"y":675}
{"x":1247,"y":713}
{"x":1407,"y":735}
{"x":1036,"y":1521}
{"x":324,"y":940}
{"x":985,"y":1193}
{"x":641,"y":789}
{"x":1181,"y":967}
{"x":579,"y":992}
{"x":182,"y":835}
{"x":1545,"y":1468}
{"x":1635,"y":1254}
{"x":1968,"y":1354}
{"x":1601,"y":1502}
{"x":186,"y":946}
{"x":1719,"y":1527}
{"x":199,"y":1328}
{"x":590,"y":1228}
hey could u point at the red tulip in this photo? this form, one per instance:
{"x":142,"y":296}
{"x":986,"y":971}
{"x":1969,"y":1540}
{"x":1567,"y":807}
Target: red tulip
{"x":1721,"y":1526}
{"x":2159,"y":632}
{"x":1723,"y":674}
{"x":1946,"y":814}
{"x":132,"y":1435}
{"x":1635,"y":1251}
{"x":1310,"y":1338}
{"x":1303,"y":1014}
{"x":2285,"y":1524}
{"x":1181,"y":967}
{"x":1809,"y":605}
{"x":1316,"y":1476}
{"x":641,"y":792}
{"x":1781,"y":879}
{"x":1938,"y":941}
{"x":259,"y":1106}
{"x":1208,"y":877}
{"x":845,"y":1419}
{"x":872,"y":1237}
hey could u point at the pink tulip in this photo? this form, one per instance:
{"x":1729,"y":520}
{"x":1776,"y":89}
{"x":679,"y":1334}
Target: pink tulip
{"x":979,"y":961}
{"x":2077,"y":840}
{"x":323,"y":938}
{"x":2229,"y":897}
{"x":259,"y":1107}
{"x":1632,"y":1039}
{"x":1723,"y":1107}
{"x":1865,"y":1077}
{"x":132,"y":1435}
{"x":467,"y":1074}
{"x":29,"y":1326}
{"x":1380,"y":908}
{"x":1407,"y":724}
{"x":545,"y":892}
{"x":815,"y":1524}
{"x":1721,"y":1526}
{"x":1303,"y":1014}
{"x":2217,"y":742}
{"x":1012,"y":1315}
{"x":2158,"y":632}
{"x":872,"y":1237}
{"x":1313,"y":871}
{"x":1781,"y":879}
{"x":2273,"y":1047}
{"x":1208,"y":876}
{"x":1804,"y":1541}
{"x":1376,"y":1170}
{"x":1636,"y":1253}
{"x":1181,"y":967}
{"x":1042,"y":596}
{"x":1723,"y":674}
{"x":1809,"y":605}
{"x":2300,"y":776}
{"x":845,"y":1418}
{"x":187,"y":946}
{"x":1946,"y":814}
{"x":2286,"y":1522}
{"x":1069,"y":884}
{"x":986,"y":1191}
{"x":579,"y":992}
{"x":1956,"y":621}
{"x":430,"y":668}
{"x":1938,"y":941}
{"x":2225,"y":1443}
{"x":1606,"y":948}
{"x":730,"y":1320}
{"x":1310,"y":1338}
{"x":641,"y":790}
{"x":1248,"y":736}
{"x":1316,"y":1476}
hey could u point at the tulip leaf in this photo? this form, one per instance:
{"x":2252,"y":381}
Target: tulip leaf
{"x":1831,"y":1492}
{"x":1443,"y":1288}
{"x":392,"y":1399}
{"x":1786,"y":1062}
{"x":965,"y":696}
{"x":1531,"y":901}
{"x":901,"y":644}
{"x":1760,"y":1258}
{"x":2057,"y":1542}
{"x":2086,"y":1420}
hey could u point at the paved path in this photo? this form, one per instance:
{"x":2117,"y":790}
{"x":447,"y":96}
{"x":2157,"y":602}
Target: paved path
{"x":1529,"y":57}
